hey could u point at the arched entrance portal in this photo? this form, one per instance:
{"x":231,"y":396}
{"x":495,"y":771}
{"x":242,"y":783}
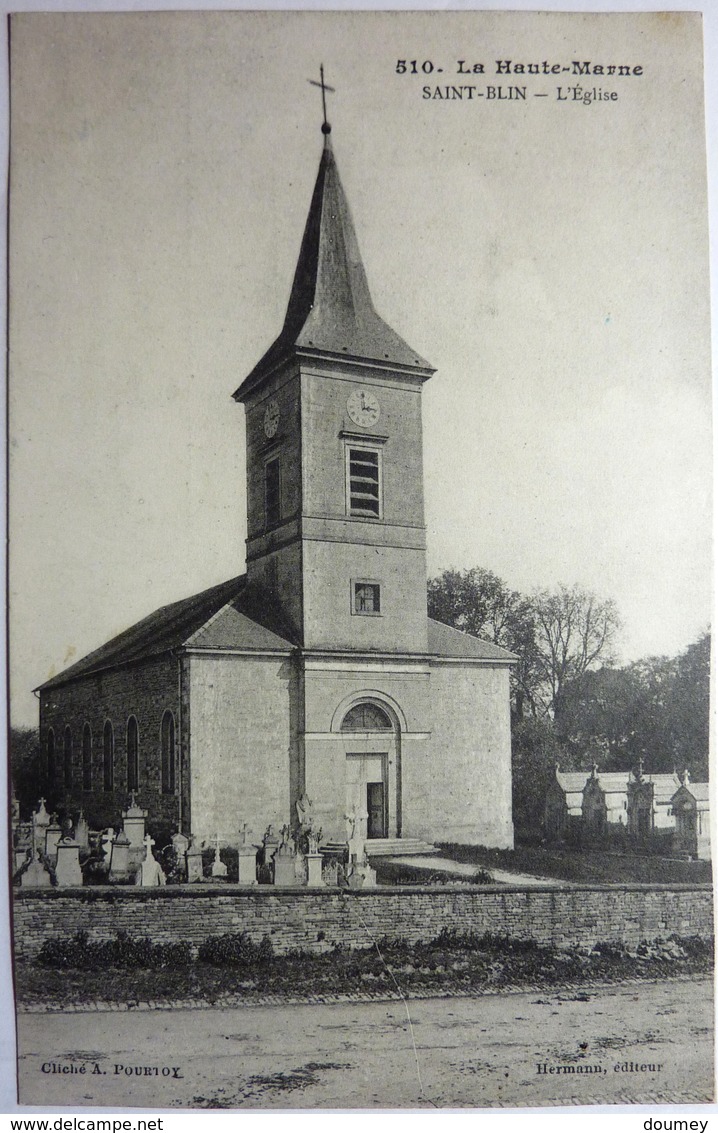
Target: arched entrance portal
{"x":372,"y":768}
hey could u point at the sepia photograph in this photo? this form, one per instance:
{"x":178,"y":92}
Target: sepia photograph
{"x":359,"y":526}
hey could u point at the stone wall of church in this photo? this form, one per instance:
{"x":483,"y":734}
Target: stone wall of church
{"x":330,"y":688}
{"x":457,"y":788}
{"x":243,"y":743}
{"x":449,"y":765}
{"x":318,"y":920}
{"x":145,"y":691}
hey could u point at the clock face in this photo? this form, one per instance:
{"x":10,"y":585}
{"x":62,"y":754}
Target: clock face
{"x":363,"y":407}
{"x":271,"y":419}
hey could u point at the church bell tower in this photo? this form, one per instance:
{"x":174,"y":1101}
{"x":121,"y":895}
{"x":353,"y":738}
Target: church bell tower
{"x":336,"y":546}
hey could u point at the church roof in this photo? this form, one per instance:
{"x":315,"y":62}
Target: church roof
{"x":216,"y":618}
{"x":330,"y":307}
{"x":445,"y":641}
{"x":229,"y":616}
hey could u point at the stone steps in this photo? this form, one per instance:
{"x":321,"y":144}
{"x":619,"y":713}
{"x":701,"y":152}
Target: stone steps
{"x":386,"y":847}
{"x":403,"y":847}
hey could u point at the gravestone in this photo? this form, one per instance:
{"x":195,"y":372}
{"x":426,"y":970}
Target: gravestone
{"x":107,"y":837}
{"x":330,"y":872}
{"x":120,"y":858}
{"x":22,"y":838}
{"x":314,"y":870}
{"x":180,"y":845}
{"x":219,"y":869}
{"x":53,"y":833}
{"x":14,"y":812}
{"x":362,"y":876}
{"x":37,"y":875}
{"x":67,"y":870}
{"x":40,"y":823}
{"x":194,"y":860}
{"x":150,"y":872}
{"x":247,"y":860}
{"x":82,"y":834}
{"x":284,"y":865}
{"x":133,"y":824}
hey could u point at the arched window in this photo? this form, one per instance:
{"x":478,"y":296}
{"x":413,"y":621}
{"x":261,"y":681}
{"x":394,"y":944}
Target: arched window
{"x":168,"y":753}
{"x":67,"y":758}
{"x":133,"y":755}
{"x":366,"y":717}
{"x":51,"y":757}
{"x":86,"y":758}
{"x":108,"y":757}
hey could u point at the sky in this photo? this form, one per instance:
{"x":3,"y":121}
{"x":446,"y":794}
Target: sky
{"x":548,"y":256}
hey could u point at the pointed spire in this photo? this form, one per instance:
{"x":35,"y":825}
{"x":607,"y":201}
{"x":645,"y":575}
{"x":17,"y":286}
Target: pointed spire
{"x":330,"y":309}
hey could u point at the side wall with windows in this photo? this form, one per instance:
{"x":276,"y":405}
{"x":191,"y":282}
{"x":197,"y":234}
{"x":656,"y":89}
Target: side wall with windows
{"x":82,"y":709}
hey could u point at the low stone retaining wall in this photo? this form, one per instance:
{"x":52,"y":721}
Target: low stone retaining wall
{"x":317,"y":920}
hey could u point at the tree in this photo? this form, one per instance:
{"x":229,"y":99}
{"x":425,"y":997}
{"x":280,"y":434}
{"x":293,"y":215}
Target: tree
{"x":654,"y":711}
{"x":25,"y":767}
{"x":535,"y":751}
{"x":574,"y":631}
{"x":595,"y":718}
{"x":688,"y":705}
{"x":476,"y":601}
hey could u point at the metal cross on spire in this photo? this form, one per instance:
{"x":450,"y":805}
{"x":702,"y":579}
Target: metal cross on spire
{"x":326,"y":128}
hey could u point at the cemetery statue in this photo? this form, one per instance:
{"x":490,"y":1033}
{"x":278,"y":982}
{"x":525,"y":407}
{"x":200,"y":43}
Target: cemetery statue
{"x":356,"y":833}
{"x":314,"y":837}
{"x":351,"y":820}
{"x":304,"y":810}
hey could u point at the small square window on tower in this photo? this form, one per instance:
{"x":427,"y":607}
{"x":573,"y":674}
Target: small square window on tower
{"x":366,"y":597}
{"x":272,"y":493}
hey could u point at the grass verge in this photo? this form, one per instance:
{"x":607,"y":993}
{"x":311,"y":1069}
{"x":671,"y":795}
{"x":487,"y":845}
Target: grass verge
{"x":591,"y":866}
{"x":449,"y":963}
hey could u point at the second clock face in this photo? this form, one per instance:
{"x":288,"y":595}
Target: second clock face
{"x":363,"y":407}
{"x":271,"y":419}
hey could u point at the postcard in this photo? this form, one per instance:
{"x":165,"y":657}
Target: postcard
{"x":360,"y":568}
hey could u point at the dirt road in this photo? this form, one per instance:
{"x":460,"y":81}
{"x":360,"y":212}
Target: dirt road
{"x":638,"y":1042}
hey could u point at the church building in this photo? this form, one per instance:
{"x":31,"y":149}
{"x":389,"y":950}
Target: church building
{"x":317,"y":673}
